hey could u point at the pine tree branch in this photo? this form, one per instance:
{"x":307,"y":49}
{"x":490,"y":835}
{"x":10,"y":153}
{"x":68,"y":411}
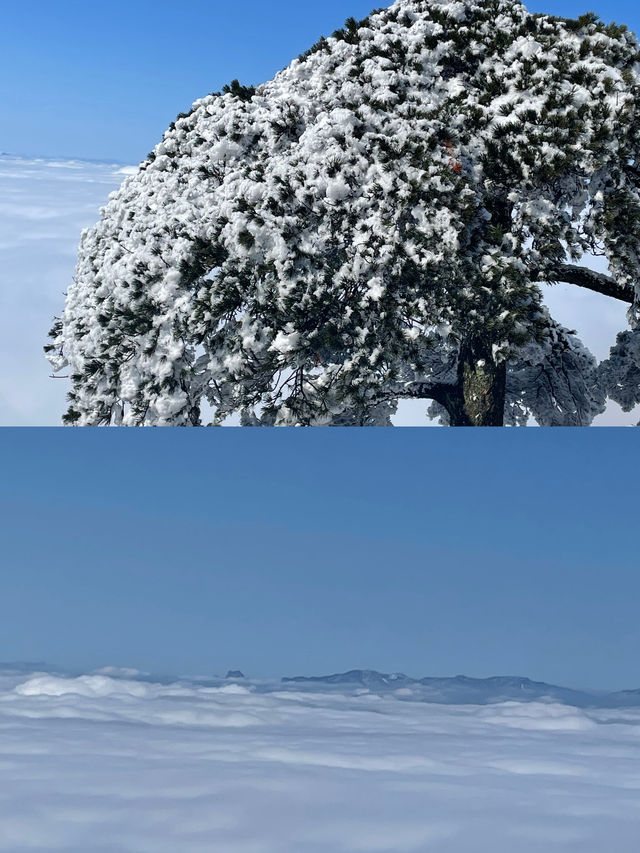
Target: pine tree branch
{"x":438,"y":391}
{"x":597,"y":281}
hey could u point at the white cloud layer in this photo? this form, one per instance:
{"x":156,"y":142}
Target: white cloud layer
{"x":44,"y":205}
{"x":104,"y":764}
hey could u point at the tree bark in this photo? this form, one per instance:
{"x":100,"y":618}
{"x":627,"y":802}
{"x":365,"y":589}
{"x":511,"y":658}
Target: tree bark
{"x":479,"y":395}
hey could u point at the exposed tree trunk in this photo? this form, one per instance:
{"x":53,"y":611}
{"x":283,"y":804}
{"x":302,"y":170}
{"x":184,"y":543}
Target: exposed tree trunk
{"x":478,"y":397}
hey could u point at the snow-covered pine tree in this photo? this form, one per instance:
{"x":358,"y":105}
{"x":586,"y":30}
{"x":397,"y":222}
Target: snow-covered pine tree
{"x":374,"y":224}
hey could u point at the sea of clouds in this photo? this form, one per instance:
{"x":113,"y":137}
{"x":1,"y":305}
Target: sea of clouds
{"x":112,"y":762}
{"x":45,"y":204}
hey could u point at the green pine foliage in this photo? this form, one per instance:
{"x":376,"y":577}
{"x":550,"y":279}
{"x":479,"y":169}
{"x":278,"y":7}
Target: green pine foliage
{"x":313,"y":249}
{"x":235,"y":88}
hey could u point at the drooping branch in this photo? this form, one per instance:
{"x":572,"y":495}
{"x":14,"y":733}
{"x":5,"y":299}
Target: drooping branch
{"x":592,"y":280}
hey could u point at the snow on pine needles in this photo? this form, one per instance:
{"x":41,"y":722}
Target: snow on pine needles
{"x":371,"y":225}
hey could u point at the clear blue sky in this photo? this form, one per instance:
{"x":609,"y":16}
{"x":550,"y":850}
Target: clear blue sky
{"x":103,"y":80}
{"x":285,"y":552}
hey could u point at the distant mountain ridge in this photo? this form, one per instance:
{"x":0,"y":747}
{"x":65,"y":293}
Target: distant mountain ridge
{"x":462,"y":689}
{"x":454,"y":690}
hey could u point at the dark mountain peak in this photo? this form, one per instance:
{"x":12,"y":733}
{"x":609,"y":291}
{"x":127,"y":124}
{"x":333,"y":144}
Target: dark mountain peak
{"x":364,"y":677}
{"x":464,"y":689}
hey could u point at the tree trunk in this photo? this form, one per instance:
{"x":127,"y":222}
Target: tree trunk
{"x":478,"y":397}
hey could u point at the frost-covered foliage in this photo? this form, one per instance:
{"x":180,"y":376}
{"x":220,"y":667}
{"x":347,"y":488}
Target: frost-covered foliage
{"x":556,"y":382}
{"x":367,"y":226}
{"x":621,"y":371}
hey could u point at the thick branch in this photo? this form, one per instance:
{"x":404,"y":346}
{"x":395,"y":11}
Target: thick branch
{"x":584,"y":277}
{"x":439,"y":392}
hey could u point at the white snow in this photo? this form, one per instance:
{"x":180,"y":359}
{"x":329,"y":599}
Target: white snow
{"x":373,"y":156}
{"x":99,"y":764}
{"x":285,"y":342}
{"x":337,"y":190}
{"x":46,"y":204}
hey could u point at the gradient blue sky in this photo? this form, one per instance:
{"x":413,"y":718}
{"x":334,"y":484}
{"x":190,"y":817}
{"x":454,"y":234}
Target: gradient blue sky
{"x":103,"y":80}
{"x":435,"y":552}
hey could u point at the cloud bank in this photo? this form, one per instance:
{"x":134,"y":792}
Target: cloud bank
{"x":117,"y":763}
{"x":44,"y":205}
